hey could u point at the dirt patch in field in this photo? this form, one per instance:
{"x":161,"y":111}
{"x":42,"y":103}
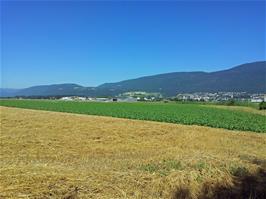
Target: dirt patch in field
{"x":59,"y":155}
{"x":240,"y":108}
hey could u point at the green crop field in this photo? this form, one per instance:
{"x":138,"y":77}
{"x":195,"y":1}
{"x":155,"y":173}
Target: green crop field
{"x":173,"y":113}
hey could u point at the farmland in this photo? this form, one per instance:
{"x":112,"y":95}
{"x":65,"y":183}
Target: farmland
{"x":57,"y":155}
{"x":190,"y":114}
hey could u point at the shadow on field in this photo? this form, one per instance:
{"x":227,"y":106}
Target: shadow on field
{"x":245,"y":186}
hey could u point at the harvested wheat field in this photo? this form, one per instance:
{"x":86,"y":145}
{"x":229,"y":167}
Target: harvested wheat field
{"x":60,"y":155}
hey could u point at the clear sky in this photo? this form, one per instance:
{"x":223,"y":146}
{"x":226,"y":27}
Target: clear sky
{"x":90,"y":43}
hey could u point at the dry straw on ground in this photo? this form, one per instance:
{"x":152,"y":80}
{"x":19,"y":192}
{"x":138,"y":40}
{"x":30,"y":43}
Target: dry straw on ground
{"x":59,"y":155}
{"x":240,"y":108}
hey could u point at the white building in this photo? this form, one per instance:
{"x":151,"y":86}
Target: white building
{"x":66,"y":98}
{"x":257,"y":100}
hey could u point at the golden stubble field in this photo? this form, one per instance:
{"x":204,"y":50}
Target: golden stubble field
{"x":59,"y":155}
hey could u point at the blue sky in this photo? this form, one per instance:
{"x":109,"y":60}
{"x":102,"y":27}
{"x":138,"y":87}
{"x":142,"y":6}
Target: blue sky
{"x":90,"y":43}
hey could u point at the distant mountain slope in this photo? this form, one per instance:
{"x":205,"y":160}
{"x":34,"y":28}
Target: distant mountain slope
{"x":5,"y":92}
{"x":56,"y":89}
{"x":250,"y":77}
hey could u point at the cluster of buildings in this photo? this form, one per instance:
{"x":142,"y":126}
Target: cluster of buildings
{"x":124,"y":97}
{"x":99,"y":99}
{"x":258,"y":98}
{"x":199,"y":96}
{"x":221,"y":96}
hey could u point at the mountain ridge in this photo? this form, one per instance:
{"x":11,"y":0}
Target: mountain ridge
{"x":249,"y":77}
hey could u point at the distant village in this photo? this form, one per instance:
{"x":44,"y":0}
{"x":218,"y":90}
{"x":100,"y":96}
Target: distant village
{"x":223,"y":96}
{"x":199,"y":96}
